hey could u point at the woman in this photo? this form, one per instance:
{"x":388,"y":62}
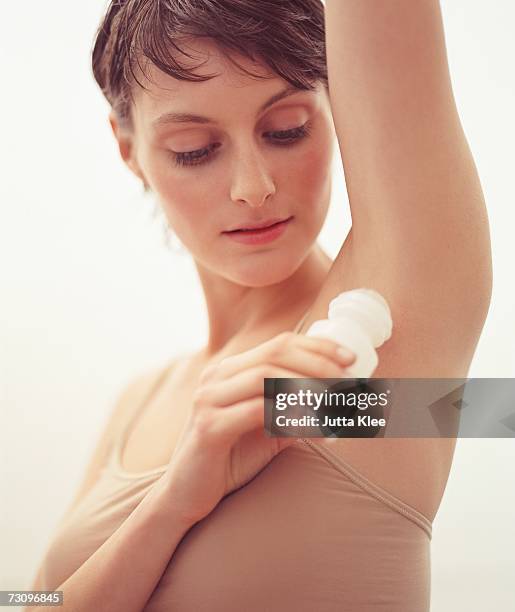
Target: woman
{"x":227,"y":111}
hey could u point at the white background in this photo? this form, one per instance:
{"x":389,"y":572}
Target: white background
{"x":90,"y":296}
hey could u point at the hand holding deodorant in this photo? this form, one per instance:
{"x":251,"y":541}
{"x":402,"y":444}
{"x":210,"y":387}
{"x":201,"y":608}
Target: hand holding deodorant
{"x":360,"y":320}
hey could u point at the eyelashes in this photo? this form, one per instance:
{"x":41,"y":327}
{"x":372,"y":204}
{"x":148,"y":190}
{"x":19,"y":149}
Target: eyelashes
{"x":284,"y":138}
{"x":194,"y":158}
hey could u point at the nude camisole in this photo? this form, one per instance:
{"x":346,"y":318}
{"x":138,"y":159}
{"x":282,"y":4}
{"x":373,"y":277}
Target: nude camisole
{"x":309,"y":533}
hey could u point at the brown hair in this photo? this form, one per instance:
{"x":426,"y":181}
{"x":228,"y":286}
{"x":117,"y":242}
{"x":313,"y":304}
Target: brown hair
{"x":288,"y":36}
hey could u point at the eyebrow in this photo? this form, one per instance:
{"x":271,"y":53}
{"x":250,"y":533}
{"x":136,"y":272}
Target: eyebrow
{"x":167,"y":118}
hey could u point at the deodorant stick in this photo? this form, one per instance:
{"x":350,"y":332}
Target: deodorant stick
{"x":360,"y":320}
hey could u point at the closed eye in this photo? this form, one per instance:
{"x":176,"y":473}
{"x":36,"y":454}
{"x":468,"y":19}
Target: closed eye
{"x":282,"y":138}
{"x":289,"y":136}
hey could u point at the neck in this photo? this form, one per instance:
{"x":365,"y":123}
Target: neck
{"x":242,"y":316}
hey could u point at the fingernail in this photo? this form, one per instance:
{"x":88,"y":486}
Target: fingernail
{"x":345,"y":353}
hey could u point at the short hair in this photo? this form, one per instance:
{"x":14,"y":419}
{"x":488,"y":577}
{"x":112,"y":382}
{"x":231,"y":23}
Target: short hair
{"x":287,"y":36}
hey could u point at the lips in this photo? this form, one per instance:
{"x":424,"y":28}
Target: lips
{"x":258,"y":226}
{"x":255,"y":237}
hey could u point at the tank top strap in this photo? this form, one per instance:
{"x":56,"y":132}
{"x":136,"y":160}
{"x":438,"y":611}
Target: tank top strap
{"x":301,"y":322}
{"x":370,"y":487}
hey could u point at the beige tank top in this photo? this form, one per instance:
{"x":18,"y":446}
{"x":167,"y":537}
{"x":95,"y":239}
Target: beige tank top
{"x":308,"y":533}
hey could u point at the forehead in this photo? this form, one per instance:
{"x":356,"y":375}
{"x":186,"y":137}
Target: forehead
{"x":229,"y":91}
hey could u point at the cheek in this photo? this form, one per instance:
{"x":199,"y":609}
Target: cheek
{"x":317,"y":169}
{"x":183,"y":195}
{"x":307,"y":176}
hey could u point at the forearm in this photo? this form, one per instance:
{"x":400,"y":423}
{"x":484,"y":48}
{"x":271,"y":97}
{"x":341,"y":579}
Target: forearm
{"x":122,"y":574}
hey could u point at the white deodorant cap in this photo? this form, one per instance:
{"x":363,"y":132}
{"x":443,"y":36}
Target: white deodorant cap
{"x":360,"y":320}
{"x":369,"y":308}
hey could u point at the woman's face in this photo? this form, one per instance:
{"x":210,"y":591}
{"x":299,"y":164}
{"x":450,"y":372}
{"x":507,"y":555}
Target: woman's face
{"x":231,"y":152}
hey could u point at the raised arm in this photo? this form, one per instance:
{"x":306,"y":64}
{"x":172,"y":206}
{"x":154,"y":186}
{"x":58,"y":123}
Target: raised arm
{"x":419,"y":229}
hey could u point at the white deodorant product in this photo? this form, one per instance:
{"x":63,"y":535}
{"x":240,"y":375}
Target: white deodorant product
{"x":360,"y":320}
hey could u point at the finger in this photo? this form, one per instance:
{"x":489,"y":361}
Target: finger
{"x":239,"y":419}
{"x":312,"y":364}
{"x":329,"y":348}
{"x":272,"y":350}
{"x":247,"y":384}
{"x":243,"y":385}
{"x":287,"y":341}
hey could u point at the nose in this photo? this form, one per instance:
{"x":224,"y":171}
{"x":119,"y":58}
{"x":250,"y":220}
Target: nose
{"x":252,"y":182}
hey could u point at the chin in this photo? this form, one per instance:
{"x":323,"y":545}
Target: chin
{"x":264,"y":271}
